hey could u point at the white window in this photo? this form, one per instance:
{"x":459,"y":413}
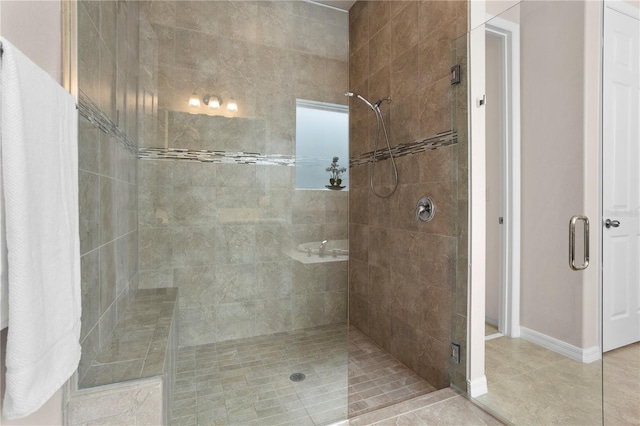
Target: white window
{"x":322,"y":132}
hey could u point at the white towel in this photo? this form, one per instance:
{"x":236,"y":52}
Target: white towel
{"x":40,"y":184}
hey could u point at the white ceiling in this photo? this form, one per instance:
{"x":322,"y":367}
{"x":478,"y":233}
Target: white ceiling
{"x":339,"y":4}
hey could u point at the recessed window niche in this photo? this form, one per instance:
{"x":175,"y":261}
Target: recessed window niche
{"x":322,"y":133}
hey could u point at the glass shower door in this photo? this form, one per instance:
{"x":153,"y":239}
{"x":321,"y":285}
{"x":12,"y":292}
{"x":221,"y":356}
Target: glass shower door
{"x":542,"y":349}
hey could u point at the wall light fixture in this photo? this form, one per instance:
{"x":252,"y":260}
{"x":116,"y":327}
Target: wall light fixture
{"x":194,"y":100}
{"x":232,"y":106}
{"x":213,"y":101}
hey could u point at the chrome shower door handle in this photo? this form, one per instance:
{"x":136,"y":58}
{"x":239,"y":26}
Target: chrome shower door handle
{"x":572,"y":243}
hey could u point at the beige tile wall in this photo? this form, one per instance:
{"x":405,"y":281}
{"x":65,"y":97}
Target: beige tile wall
{"x":402,"y":272}
{"x":218,"y":231}
{"x":108,"y":74}
{"x":265,"y":54}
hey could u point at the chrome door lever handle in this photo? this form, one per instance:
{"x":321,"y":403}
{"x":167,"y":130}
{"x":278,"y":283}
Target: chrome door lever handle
{"x":611,"y":223}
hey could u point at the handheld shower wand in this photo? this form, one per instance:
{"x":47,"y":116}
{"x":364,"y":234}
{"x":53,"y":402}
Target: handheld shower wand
{"x":379,"y":123}
{"x":355,"y":95}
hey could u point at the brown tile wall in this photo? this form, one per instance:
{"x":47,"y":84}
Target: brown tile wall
{"x":402,"y":272}
{"x":459,"y":110}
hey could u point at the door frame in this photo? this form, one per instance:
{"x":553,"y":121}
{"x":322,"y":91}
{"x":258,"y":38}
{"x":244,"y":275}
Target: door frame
{"x":509,"y":288}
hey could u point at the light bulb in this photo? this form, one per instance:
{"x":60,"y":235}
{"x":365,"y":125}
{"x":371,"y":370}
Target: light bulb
{"x":214,"y":102}
{"x":232,"y":105}
{"x":194,"y":100}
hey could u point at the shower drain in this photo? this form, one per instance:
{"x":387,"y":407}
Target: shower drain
{"x":297,"y":377}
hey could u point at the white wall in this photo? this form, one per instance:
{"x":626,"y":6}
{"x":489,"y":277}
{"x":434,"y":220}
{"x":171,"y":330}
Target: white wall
{"x":592,"y":131}
{"x":493,"y":133}
{"x":477,"y":382}
{"x":497,"y":7}
{"x":35,"y":28}
{"x":552,"y":166}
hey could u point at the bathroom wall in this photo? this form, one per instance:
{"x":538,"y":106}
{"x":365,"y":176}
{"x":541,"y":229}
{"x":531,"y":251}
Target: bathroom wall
{"x":108,"y":76}
{"x":44,"y":46}
{"x":402,"y":272}
{"x":557,"y":301}
{"x":494,"y":140}
{"x":460,"y":119}
{"x":221,"y":231}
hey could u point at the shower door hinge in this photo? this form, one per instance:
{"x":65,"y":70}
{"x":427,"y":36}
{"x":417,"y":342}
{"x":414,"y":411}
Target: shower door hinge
{"x":455,"y":352}
{"x":455,"y":74}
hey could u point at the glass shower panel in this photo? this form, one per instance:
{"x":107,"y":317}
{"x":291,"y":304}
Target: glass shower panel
{"x":544,"y":363}
{"x":460,"y":169}
{"x":263,"y":310}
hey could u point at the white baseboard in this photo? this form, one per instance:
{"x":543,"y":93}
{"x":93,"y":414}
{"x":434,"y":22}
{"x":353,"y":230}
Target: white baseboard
{"x":586,"y":355}
{"x":477,"y":387}
{"x":493,"y":322}
{"x":493,"y":336}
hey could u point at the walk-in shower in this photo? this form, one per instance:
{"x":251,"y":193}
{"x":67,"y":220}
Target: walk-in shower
{"x":344,"y":286}
{"x":379,"y":124}
{"x":272,"y":279}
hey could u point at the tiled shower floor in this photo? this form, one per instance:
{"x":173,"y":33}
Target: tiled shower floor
{"x":376,"y":379}
{"x":246,"y":381}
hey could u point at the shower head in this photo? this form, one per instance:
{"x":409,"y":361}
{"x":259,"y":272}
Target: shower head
{"x":355,"y":95}
{"x":379,"y":124}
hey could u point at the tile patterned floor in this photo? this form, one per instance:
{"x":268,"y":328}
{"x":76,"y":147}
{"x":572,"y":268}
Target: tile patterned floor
{"x":621,"y":376}
{"x":246,"y":381}
{"x":529,"y":384}
{"x":376,"y":379}
{"x":490,"y":329}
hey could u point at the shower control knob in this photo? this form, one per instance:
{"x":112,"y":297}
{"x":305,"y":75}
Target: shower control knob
{"x":425,"y":209}
{"x":611,"y":223}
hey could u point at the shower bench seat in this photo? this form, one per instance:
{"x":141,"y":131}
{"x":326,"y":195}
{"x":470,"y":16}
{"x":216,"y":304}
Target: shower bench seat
{"x":136,"y":372}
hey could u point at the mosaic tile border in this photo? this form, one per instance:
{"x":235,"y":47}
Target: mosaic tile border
{"x":92,"y":112}
{"x":207,"y":156}
{"x":439,"y":140}
{"x":428,"y":143}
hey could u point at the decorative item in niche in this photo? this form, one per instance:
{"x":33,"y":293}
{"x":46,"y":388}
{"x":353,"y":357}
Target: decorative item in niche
{"x":336,"y":171}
